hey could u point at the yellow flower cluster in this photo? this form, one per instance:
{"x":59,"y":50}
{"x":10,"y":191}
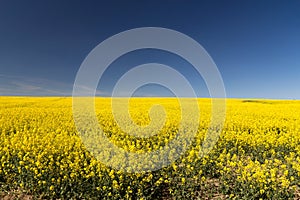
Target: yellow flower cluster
{"x":256,"y":156}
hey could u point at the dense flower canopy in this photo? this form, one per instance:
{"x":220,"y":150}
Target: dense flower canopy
{"x":256,"y":156}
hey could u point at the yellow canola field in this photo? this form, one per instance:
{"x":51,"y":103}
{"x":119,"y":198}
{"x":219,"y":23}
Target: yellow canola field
{"x":43,"y":155}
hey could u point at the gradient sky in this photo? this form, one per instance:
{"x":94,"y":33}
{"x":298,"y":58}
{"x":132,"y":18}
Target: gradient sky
{"x":255,"y":44}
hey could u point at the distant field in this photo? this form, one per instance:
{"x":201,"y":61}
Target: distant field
{"x":257,"y":155}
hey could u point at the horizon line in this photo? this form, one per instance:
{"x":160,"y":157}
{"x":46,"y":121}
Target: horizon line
{"x":97,"y":96}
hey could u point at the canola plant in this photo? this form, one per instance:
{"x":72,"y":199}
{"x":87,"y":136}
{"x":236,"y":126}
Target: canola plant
{"x":257,"y":155}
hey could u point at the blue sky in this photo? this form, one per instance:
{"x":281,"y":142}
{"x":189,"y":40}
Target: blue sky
{"x":255,"y":44}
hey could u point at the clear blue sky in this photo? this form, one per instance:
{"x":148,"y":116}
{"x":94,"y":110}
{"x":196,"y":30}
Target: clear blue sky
{"x":255,"y":44}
